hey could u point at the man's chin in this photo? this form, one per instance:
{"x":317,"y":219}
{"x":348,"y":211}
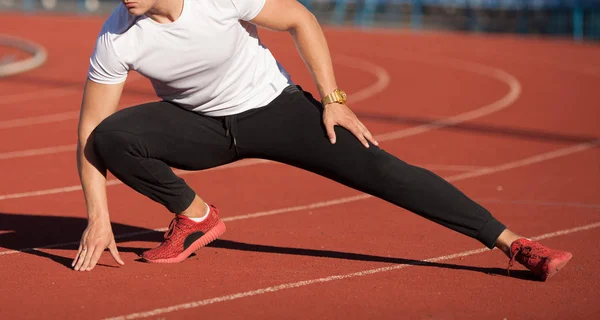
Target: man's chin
{"x":135,"y":12}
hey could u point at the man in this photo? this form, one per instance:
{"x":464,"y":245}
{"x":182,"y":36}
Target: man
{"x":225,"y":98}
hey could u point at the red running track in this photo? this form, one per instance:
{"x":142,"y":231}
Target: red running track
{"x":519,"y":134}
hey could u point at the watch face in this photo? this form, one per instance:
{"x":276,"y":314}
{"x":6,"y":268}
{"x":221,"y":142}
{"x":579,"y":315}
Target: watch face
{"x":344,"y":96}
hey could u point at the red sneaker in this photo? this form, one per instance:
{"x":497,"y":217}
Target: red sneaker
{"x":543,"y":262}
{"x":186,"y":236}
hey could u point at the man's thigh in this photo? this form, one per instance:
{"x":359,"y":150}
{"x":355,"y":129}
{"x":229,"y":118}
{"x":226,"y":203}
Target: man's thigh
{"x":181,"y":138}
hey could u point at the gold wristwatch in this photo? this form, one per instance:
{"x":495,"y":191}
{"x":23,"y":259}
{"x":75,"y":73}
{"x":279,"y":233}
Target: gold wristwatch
{"x":337,"y":96}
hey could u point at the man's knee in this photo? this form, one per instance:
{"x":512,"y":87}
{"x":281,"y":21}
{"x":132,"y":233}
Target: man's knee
{"x":111,"y":144}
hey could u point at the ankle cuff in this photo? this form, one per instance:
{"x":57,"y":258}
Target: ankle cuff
{"x":182,"y":202}
{"x":490,"y":231}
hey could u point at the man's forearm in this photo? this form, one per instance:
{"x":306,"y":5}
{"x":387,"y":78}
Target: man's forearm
{"x":312,"y":47}
{"x":93,"y":181}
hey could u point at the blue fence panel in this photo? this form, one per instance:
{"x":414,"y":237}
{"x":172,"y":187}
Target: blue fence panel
{"x":558,"y":16}
{"x":577,"y":18}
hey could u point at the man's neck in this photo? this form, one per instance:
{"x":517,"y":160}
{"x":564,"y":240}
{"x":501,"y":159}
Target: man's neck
{"x":166,"y":11}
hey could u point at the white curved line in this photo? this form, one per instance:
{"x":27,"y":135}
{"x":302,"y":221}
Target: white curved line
{"x":504,"y":102}
{"x":383,"y":80}
{"x":586,"y":70}
{"x":39,"y":55}
{"x":498,"y":105}
{"x":383,"y":77}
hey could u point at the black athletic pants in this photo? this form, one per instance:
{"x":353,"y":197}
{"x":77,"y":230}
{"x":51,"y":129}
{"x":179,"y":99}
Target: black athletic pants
{"x":139,"y":145}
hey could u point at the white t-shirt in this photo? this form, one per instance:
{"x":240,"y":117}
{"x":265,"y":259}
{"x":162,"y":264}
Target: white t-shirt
{"x":209,"y":60}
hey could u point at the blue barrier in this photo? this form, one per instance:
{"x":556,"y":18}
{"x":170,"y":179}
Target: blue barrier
{"x":28,"y":5}
{"x":579,"y":19}
{"x":578,"y":23}
{"x":581,"y":12}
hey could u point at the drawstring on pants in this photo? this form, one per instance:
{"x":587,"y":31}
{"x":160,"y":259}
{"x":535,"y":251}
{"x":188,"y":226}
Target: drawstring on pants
{"x":231,"y":131}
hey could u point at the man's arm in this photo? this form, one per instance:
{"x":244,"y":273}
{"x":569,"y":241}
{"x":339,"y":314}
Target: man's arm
{"x":99,"y":101}
{"x":291,"y":16}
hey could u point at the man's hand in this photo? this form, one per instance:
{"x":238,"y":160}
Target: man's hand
{"x":339,"y":114}
{"x":95,"y":239}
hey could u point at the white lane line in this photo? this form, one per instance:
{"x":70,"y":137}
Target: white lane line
{"x":38,"y":95}
{"x":48,"y":191}
{"x":523,"y":162}
{"x":339,"y":201}
{"x":114,"y":182}
{"x":50,"y":118}
{"x":37,"y":152}
{"x":53,"y":92}
{"x":292,"y":285}
{"x":542,"y":203}
{"x":451,"y":167}
{"x":506,"y":166}
{"x":311,"y":206}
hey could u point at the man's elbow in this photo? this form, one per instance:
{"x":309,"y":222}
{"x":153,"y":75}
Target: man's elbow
{"x":303,"y":21}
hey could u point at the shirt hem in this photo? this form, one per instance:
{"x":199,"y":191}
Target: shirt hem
{"x":245,"y":107}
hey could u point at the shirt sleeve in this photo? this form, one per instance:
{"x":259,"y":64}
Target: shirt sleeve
{"x":248,"y":9}
{"x":105,"y":65}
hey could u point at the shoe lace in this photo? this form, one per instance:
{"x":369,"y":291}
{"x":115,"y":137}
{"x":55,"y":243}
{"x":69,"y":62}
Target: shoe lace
{"x":172,"y":226}
{"x":526,"y":253}
{"x":513,"y":255}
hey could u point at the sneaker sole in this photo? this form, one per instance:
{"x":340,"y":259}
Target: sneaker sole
{"x":555,"y":265}
{"x":207,"y":238}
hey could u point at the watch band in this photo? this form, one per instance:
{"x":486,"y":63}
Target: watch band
{"x":337,"y":96}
